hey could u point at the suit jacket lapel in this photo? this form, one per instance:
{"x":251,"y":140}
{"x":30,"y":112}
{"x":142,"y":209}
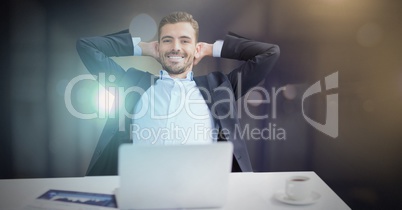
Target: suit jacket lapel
{"x":206,"y":91}
{"x":214,"y":95}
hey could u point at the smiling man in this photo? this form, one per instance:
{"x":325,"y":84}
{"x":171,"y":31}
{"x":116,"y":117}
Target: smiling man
{"x":177,"y":48}
{"x":175,"y":107}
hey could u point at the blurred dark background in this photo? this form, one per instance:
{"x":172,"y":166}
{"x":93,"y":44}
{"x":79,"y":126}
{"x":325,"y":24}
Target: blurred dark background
{"x":359,"y":39}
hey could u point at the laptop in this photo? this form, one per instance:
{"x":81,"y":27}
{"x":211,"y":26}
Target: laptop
{"x":174,"y":176}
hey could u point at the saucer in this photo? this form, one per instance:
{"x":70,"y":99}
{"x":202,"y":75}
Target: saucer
{"x":282,"y":197}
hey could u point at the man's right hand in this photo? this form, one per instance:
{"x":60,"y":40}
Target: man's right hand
{"x":150,"y":49}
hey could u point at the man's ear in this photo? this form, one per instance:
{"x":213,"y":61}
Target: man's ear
{"x":197,"y":53}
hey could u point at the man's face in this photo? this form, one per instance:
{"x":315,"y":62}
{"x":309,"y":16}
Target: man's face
{"x":177,"y":47}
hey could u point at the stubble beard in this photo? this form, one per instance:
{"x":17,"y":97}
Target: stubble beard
{"x":175,"y":69}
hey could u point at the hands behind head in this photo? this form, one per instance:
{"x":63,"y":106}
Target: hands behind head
{"x":150,"y":49}
{"x":205,"y":49}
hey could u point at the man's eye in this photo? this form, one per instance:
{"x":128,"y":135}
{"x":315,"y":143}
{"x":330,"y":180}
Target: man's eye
{"x":166,"y":41}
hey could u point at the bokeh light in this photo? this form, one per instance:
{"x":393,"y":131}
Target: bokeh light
{"x":102,"y":101}
{"x":254,"y":98}
{"x":368,"y":106}
{"x":369,"y":35}
{"x":82,"y":95}
{"x":290,"y":92}
{"x":143,"y":26}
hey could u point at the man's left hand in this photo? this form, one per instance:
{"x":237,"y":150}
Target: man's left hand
{"x":205,"y":49}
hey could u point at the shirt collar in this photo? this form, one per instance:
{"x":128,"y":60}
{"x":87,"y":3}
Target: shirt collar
{"x":165,"y":75}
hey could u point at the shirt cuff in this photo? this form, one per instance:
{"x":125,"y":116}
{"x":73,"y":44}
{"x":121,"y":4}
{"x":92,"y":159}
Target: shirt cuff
{"x":137,"y":48}
{"x":217,"y":48}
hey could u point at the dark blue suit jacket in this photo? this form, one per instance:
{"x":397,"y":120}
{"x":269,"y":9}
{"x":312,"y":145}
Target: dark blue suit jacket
{"x":259,"y":58}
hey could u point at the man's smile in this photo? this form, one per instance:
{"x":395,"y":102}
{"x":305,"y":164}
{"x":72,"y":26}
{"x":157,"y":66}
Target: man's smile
{"x":175,"y":58}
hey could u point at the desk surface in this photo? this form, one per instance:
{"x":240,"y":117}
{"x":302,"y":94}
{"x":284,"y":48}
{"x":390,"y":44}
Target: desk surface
{"x":246,"y":190}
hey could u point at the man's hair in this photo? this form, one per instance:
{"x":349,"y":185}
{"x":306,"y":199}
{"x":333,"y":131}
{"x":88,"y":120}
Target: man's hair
{"x":177,"y":17}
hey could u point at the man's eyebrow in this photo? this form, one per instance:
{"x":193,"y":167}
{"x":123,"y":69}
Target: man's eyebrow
{"x":170,"y":37}
{"x":185,"y":37}
{"x":167,"y":37}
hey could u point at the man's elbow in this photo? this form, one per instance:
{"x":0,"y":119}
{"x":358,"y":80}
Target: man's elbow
{"x":80,"y":44}
{"x":275,"y":50}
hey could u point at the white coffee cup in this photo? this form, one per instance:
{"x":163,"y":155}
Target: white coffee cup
{"x":298,"y":187}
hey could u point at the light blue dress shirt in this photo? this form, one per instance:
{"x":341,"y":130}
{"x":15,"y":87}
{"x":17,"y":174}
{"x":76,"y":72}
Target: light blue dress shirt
{"x":173,"y":111}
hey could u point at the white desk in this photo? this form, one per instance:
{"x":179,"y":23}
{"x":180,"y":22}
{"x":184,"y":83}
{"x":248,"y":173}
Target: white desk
{"x":246,"y":190}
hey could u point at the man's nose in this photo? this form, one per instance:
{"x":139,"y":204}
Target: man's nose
{"x":176,"y":46}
